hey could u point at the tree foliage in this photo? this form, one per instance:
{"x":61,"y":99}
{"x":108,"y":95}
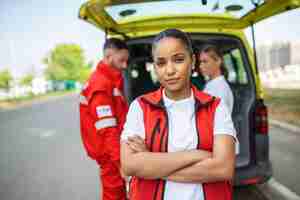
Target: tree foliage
{"x":84,"y":74}
{"x":5,"y":79}
{"x":65,"y":62}
{"x":27,"y":80}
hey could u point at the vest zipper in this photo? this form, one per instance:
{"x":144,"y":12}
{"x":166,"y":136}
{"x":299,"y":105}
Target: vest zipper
{"x":155,"y":129}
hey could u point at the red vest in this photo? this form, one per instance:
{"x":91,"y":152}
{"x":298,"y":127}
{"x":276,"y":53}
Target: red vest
{"x":156,"y":128}
{"x":107,"y":80}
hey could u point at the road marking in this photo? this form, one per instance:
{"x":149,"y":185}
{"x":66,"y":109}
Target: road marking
{"x":284,"y":125}
{"x":42,"y":133}
{"x":274,"y":190}
{"x":47,"y":133}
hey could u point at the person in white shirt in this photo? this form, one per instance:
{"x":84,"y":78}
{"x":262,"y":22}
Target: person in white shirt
{"x":181,"y":166}
{"x":212,"y":67}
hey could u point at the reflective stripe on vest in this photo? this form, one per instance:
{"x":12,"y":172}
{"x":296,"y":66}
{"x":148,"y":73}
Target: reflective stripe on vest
{"x":106,"y":123}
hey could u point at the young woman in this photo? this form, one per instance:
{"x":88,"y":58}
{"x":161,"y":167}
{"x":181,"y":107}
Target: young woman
{"x":212,"y":66}
{"x":177,"y":142}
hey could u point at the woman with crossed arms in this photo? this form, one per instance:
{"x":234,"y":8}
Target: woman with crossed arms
{"x":178,"y":143}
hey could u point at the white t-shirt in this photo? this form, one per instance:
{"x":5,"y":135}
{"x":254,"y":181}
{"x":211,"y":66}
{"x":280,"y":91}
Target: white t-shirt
{"x":182,"y":136}
{"x":219,"y":87}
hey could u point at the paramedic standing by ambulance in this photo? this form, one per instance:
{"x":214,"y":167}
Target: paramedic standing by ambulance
{"x":213,"y":69}
{"x":178,"y":142}
{"x":103,"y":110}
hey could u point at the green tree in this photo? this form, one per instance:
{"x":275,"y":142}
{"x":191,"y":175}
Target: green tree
{"x":5,"y":79}
{"x":65,"y":62}
{"x":27,"y":80}
{"x":84,"y":74}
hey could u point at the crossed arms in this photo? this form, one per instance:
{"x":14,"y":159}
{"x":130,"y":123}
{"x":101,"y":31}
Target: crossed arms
{"x":195,"y":166}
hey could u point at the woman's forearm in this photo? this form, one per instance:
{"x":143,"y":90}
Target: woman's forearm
{"x":151,"y":165}
{"x":209,"y":170}
{"x":217,"y":168}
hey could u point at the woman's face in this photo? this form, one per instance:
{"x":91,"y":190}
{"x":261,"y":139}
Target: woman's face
{"x":209,"y":64}
{"x":173,"y":64}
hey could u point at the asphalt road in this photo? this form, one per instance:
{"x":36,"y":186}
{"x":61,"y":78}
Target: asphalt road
{"x":42,"y":156}
{"x":285,"y":156}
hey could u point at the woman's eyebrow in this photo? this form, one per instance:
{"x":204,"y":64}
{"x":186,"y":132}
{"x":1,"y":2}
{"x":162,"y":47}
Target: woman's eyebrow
{"x":160,"y":58}
{"x":174,"y":55}
{"x":178,"y":54}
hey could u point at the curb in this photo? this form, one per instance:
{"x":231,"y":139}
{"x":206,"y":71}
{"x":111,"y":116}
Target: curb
{"x":285,"y":125}
{"x":36,"y":102}
{"x":274,"y":190}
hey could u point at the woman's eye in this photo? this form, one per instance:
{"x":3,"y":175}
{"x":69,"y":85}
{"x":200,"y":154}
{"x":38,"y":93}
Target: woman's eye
{"x":179,"y":60}
{"x":159,"y":64}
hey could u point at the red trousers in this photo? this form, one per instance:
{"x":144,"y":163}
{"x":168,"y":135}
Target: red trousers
{"x":113,"y":185}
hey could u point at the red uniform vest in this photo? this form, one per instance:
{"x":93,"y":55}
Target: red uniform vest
{"x":156,"y":129}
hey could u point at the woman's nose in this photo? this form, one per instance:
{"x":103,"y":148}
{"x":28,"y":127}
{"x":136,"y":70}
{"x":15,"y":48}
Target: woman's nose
{"x":170,"y":69}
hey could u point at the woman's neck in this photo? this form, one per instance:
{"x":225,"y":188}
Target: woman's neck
{"x":180,"y":94}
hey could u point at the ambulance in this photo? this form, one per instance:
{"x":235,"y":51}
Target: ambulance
{"x":221,"y":22}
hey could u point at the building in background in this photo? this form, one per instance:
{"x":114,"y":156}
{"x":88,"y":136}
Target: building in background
{"x":279,"y":64}
{"x":295,"y":53}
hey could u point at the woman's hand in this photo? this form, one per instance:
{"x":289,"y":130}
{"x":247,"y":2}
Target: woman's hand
{"x":137,"y":144}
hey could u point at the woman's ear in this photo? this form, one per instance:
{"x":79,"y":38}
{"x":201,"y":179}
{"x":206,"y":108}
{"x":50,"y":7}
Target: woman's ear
{"x":193,"y":62}
{"x":219,"y":61}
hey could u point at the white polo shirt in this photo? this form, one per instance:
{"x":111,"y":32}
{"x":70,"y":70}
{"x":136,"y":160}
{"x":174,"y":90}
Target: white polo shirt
{"x":182,"y":136}
{"x":219,"y":87}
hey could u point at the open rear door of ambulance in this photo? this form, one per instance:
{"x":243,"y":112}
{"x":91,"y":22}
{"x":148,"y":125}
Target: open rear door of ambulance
{"x":264,"y":9}
{"x":121,"y":16}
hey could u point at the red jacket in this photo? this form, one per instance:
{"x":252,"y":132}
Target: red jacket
{"x":103,"y":110}
{"x":156,"y":129}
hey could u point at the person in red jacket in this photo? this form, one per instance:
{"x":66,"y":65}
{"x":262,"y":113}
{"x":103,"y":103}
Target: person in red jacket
{"x":178,"y":142}
{"x":103,"y":109}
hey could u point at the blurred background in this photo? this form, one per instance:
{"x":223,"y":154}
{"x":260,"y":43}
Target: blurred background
{"x":47,"y":53}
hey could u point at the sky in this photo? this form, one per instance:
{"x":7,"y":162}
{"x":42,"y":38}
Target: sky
{"x":30,"y":29}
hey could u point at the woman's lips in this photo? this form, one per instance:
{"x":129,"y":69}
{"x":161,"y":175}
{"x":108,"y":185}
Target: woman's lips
{"x":172,"y":81}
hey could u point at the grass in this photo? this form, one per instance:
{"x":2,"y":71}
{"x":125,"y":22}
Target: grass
{"x":284,"y":105}
{"x":15,"y":102}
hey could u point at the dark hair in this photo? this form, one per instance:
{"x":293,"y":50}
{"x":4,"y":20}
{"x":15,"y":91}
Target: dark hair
{"x":208,"y":48}
{"x":115,"y":43}
{"x":177,"y":34}
{"x":212,"y":48}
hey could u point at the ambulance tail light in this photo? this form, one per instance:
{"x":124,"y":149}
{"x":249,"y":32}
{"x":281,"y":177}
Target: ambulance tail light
{"x":251,"y":181}
{"x":261,"y":119}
